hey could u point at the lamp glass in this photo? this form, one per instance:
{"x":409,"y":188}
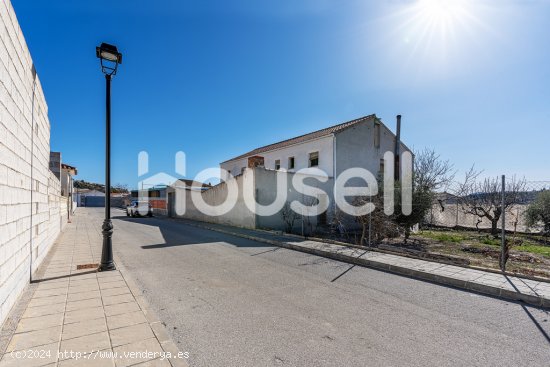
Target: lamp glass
{"x":109,"y":56}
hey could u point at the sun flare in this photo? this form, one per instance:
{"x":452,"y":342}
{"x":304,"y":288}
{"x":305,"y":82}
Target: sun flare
{"x":436,"y":30}
{"x":441,"y":16}
{"x":441,"y":11}
{"x":430,"y":39}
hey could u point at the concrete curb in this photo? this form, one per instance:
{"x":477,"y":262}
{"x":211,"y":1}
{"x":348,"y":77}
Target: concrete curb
{"x":404,"y":254}
{"x":164,"y":339}
{"x":417,"y":274}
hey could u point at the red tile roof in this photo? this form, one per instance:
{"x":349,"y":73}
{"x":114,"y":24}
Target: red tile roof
{"x":303,"y":138}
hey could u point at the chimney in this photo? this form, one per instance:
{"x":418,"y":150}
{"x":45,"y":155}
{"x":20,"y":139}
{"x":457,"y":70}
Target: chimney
{"x":397,"y":148}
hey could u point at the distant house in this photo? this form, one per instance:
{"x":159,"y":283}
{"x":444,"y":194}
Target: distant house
{"x":158,"y":195}
{"x":65,"y":174}
{"x":357,"y":143}
{"x":67,"y":182}
{"x":67,"y":185}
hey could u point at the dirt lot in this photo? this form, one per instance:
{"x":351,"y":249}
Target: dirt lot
{"x":530,"y":254}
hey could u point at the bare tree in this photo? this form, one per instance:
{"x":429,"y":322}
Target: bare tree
{"x":364,"y":220}
{"x":377,"y":222}
{"x":483,"y":198}
{"x":431,"y":173}
{"x":289,"y":217}
{"x":308,"y":227}
{"x":467,"y":185}
{"x":338,"y":223}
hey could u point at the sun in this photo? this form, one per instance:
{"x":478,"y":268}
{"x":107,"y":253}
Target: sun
{"x":441,"y":11}
{"x":427,"y":40}
{"x":441,"y":15}
{"x":435,"y":29}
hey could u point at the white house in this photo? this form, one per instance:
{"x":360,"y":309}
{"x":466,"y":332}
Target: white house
{"x":357,"y":143}
{"x":67,"y":187}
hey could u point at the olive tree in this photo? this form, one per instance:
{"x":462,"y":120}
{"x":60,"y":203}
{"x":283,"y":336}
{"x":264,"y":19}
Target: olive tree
{"x":538,"y":212}
{"x":430,"y":175}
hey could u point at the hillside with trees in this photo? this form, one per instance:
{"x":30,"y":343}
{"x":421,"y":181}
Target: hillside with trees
{"x":118,"y":188}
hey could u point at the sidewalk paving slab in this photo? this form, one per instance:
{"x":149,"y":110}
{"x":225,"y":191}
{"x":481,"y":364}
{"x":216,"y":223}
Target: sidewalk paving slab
{"x":83,"y":311}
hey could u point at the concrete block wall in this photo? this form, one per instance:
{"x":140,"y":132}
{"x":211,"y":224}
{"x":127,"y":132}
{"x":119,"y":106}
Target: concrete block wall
{"x":265,"y":190}
{"x":30,"y":202}
{"x":57,"y":219}
{"x":265,"y":182}
{"x":239,"y":215}
{"x":453,"y":215}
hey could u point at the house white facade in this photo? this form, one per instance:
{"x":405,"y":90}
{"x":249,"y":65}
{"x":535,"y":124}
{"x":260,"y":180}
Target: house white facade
{"x":356,"y":143}
{"x":360,"y":143}
{"x":67,"y":186}
{"x":300,"y":153}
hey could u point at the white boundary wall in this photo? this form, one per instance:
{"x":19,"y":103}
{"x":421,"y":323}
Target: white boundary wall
{"x":32,"y":211}
{"x":265,"y":189}
{"x":239,"y":216}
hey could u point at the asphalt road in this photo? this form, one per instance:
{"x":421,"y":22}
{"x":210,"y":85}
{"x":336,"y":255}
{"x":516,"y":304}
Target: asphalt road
{"x":229,"y":301}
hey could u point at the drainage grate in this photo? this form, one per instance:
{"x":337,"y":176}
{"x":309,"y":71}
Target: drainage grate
{"x":86,"y":266}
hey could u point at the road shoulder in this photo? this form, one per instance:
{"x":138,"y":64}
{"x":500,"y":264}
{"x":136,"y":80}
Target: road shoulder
{"x":494,"y":284}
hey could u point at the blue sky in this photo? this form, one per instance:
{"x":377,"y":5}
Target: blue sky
{"x":216,"y":78}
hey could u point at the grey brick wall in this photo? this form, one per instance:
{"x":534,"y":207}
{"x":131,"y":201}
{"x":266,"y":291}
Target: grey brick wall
{"x":24,"y":166}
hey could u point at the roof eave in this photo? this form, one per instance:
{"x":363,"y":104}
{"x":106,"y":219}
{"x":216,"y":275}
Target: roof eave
{"x":351,"y":123}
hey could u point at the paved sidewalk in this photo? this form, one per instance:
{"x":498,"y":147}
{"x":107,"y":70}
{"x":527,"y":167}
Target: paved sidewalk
{"x":100,"y":315}
{"x":491,"y":283}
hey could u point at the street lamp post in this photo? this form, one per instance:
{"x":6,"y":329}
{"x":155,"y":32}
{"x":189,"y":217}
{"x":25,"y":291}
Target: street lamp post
{"x":110,"y":58}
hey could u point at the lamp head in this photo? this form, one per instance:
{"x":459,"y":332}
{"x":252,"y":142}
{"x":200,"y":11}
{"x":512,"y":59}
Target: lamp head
{"x":110,"y":58}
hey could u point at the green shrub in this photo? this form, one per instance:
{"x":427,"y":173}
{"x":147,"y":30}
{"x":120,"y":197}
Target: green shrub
{"x":538,"y":212}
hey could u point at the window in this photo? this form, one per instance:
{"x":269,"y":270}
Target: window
{"x":381,"y":169}
{"x":290,"y":162}
{"x":377,"y":135}
{"x":314,"y":159}
{"x":277,"y":164}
